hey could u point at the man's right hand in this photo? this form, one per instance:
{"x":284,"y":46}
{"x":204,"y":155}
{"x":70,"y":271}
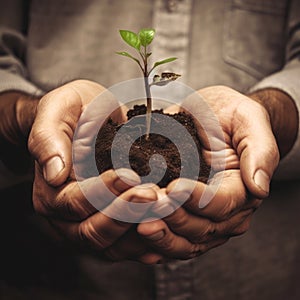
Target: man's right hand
{"x":57,"y":194}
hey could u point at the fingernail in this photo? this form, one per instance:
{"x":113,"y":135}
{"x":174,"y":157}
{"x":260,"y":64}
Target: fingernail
{"x":262,"y":180}
{"x":156,"y":236}
{"x":52,"y":168}
{"x":126,"y":177}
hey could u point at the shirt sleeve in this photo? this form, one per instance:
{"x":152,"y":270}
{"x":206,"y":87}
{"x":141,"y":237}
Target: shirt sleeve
{"x":13,"y":72}
{"x":13,"y":69}
{"x":288,"y":80}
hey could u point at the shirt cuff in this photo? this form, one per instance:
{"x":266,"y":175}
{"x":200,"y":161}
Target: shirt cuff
{"x":287,"y":81}
{"x":13,"y":82}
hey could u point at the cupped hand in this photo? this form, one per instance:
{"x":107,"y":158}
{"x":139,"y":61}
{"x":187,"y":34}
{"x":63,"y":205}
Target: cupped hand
{"x":247,"y":140}
{"x":63,"y":197}
{"x":212,"y":213}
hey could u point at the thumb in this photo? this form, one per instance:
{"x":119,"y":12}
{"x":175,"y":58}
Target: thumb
{"x":53,"y":153}
{"x":50,"y":139}
{"x":259,"y":156}
{"x":51,"y":147}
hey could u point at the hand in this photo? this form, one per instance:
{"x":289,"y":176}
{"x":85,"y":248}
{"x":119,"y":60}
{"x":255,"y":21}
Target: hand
{"x":57,"y":194}
{"x":249,"y":142}
{"x":251,"y":158}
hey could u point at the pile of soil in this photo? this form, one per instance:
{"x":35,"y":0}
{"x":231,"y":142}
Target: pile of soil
{"x":143,"y":150}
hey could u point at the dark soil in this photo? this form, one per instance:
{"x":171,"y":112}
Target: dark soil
{"x":142,"y":150}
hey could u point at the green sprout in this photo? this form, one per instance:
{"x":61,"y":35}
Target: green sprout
{"x":140,"y":42}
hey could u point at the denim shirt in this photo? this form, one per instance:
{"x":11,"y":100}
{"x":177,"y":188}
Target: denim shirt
{"x":244,"y":44}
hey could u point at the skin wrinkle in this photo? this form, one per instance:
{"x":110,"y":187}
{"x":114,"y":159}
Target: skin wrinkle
{"x":185,"y":217}
{"x":76,"y":206}
{"x":40,"y":206}
{"x":241,"y":139}
{"x":180,"y":221}
{"x":230,"y":207}
{"x":34,"y":146}
{"x":105,"y":234}
{"x":87,"y":233}
{"x":241,"y":147}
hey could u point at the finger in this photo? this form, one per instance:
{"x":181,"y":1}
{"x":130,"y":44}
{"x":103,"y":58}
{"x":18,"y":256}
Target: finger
{"x":199,"y":229}
{"x":78,"y":200}
{"x":151,"y":258}
{"x":243,"y":227}
{"x":100,"y":231}
{"x":192,"y":227}
{"x":132,"y":247}
{"x":160,"y":237}
{"x":218,"y":200}
{"x":257,"y":149}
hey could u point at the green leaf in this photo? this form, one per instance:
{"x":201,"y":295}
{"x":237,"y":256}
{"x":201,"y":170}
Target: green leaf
{"x":146,"y":36}
{"x":164,"y":61}
{"x":131,"y":38}
{"x":123,"y":53}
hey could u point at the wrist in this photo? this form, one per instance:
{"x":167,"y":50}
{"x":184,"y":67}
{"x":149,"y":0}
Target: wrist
{"x":283,"y":116}
{"x":26,"y":107}
{"x":17,"y":113}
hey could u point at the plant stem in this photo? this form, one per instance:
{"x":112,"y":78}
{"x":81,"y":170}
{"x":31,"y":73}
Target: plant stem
{"x":149,"y":106}
{"x":148,"y":93}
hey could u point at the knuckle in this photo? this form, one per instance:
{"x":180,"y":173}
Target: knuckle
{"x":242,"y":229}
{"x":197,"y":250}
{"x":205,"y":234}
{"x":37,"y":139}
{"x":166,"y":244}
{"x":88,"y":234}
{"x":225,"y":212}
{"x":177,"y":220}
{"x":209,"y":235}
{"x":139,"y":193}
{"x":70,"y":203}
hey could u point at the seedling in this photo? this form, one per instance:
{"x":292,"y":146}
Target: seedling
{"x":140,"y":42}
